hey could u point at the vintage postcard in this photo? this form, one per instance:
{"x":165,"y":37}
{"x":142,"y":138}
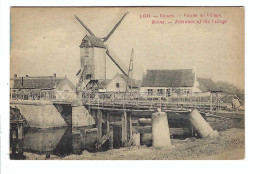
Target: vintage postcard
{"x":127,"y":83}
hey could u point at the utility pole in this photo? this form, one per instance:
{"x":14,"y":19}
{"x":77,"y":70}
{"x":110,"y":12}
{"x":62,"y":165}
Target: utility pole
{"x":130,"y":69}
{"x":130,"y":75}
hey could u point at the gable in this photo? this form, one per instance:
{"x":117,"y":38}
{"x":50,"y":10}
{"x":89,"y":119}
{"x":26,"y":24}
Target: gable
{"x":65,"y":84}
{"x":117,"y":79}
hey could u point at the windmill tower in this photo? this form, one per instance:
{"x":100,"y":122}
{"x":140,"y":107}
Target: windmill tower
{"x":93,"y":53}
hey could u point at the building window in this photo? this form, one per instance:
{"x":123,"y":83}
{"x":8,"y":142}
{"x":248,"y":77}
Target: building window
{"x":168,"y":92}
{"x":150,"y":92}
{"x":89,"y":76}
{"x":159,"y":92}
{"x":117,"y":85}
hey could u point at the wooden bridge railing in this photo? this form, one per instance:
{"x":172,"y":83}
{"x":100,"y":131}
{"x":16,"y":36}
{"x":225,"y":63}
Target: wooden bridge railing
{"x":209,"y":101}
{"x":64,"y":96}
{"x":213,"y":101}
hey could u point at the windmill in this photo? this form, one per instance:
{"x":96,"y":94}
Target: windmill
{"x":93,"y":53}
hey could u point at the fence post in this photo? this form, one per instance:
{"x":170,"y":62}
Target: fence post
{"x":211,"y":102}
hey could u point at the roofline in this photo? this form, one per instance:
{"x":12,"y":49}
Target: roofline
{"x":38,"y":77}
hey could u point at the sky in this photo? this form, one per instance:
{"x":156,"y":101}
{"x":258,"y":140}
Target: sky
{"x":45,"y":41}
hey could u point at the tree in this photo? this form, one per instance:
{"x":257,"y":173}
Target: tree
{"x":228,"y":87}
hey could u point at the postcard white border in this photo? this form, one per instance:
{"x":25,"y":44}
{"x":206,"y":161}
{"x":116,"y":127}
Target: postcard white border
{"x":250,"y":164}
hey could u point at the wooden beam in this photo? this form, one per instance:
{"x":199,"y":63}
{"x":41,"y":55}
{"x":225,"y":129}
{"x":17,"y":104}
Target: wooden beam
{"x":111,"y":138}
{"x":94,"y":115}
{"x":137,"y":112}
{"x":20,"y":132}
{"x":103,"y":140}
{"x":142,"y":129}
{"x":107,"y":122}
{"x":99,"y":125}
{"x":124,"y":128}
{"x":129,"y":127}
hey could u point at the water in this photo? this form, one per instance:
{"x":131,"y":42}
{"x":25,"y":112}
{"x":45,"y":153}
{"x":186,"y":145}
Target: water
{"x":59,"y":141}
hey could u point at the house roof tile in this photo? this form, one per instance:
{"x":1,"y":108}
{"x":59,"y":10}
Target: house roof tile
{"x":169,"y":78}
{"x":41,"y":82}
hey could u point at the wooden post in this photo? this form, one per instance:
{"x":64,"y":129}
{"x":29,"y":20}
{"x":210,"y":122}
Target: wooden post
{"x":99,"y":125}
{"x":20,"y":129}
{"x":107,"y":122}
{"x":111,"y":138}
{"x":124,"y":128}
{"x":94,"y":115}
{"x":109,"y":130}
{"x":14,"y":139}
{"x":211,"y":102}
{"x":129,"y":127}
{"x":104,"y":127}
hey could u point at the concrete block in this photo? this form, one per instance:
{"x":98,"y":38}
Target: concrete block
{"x":136,"y":139}
{"x":160,"y":130}
{"x":81,"y":117}
{"x":201,"y":125}
{"x":41,"y":116}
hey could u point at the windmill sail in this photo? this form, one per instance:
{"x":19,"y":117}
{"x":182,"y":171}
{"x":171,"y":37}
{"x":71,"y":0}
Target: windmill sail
{"x":115,"y":27}
{"x":117,"y":61}
{"x":89,"y":31}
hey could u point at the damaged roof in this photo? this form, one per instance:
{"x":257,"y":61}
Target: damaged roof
{"x":169,"y":78}
{"x":92,"y":41}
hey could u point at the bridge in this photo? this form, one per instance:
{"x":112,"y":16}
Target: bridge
{"x":138,"y":100}
{"x":124,"y":105}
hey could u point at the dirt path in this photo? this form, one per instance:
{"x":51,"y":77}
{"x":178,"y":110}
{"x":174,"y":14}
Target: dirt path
{"x":234,"y":154}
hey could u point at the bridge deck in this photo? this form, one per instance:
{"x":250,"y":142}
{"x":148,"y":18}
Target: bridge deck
{"x":136,"y":101}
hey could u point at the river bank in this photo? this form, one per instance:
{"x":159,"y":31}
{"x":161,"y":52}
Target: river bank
{"x":229,"y":145}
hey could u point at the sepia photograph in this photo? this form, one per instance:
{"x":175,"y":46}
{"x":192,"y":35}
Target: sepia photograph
{"x":127,"y":83}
